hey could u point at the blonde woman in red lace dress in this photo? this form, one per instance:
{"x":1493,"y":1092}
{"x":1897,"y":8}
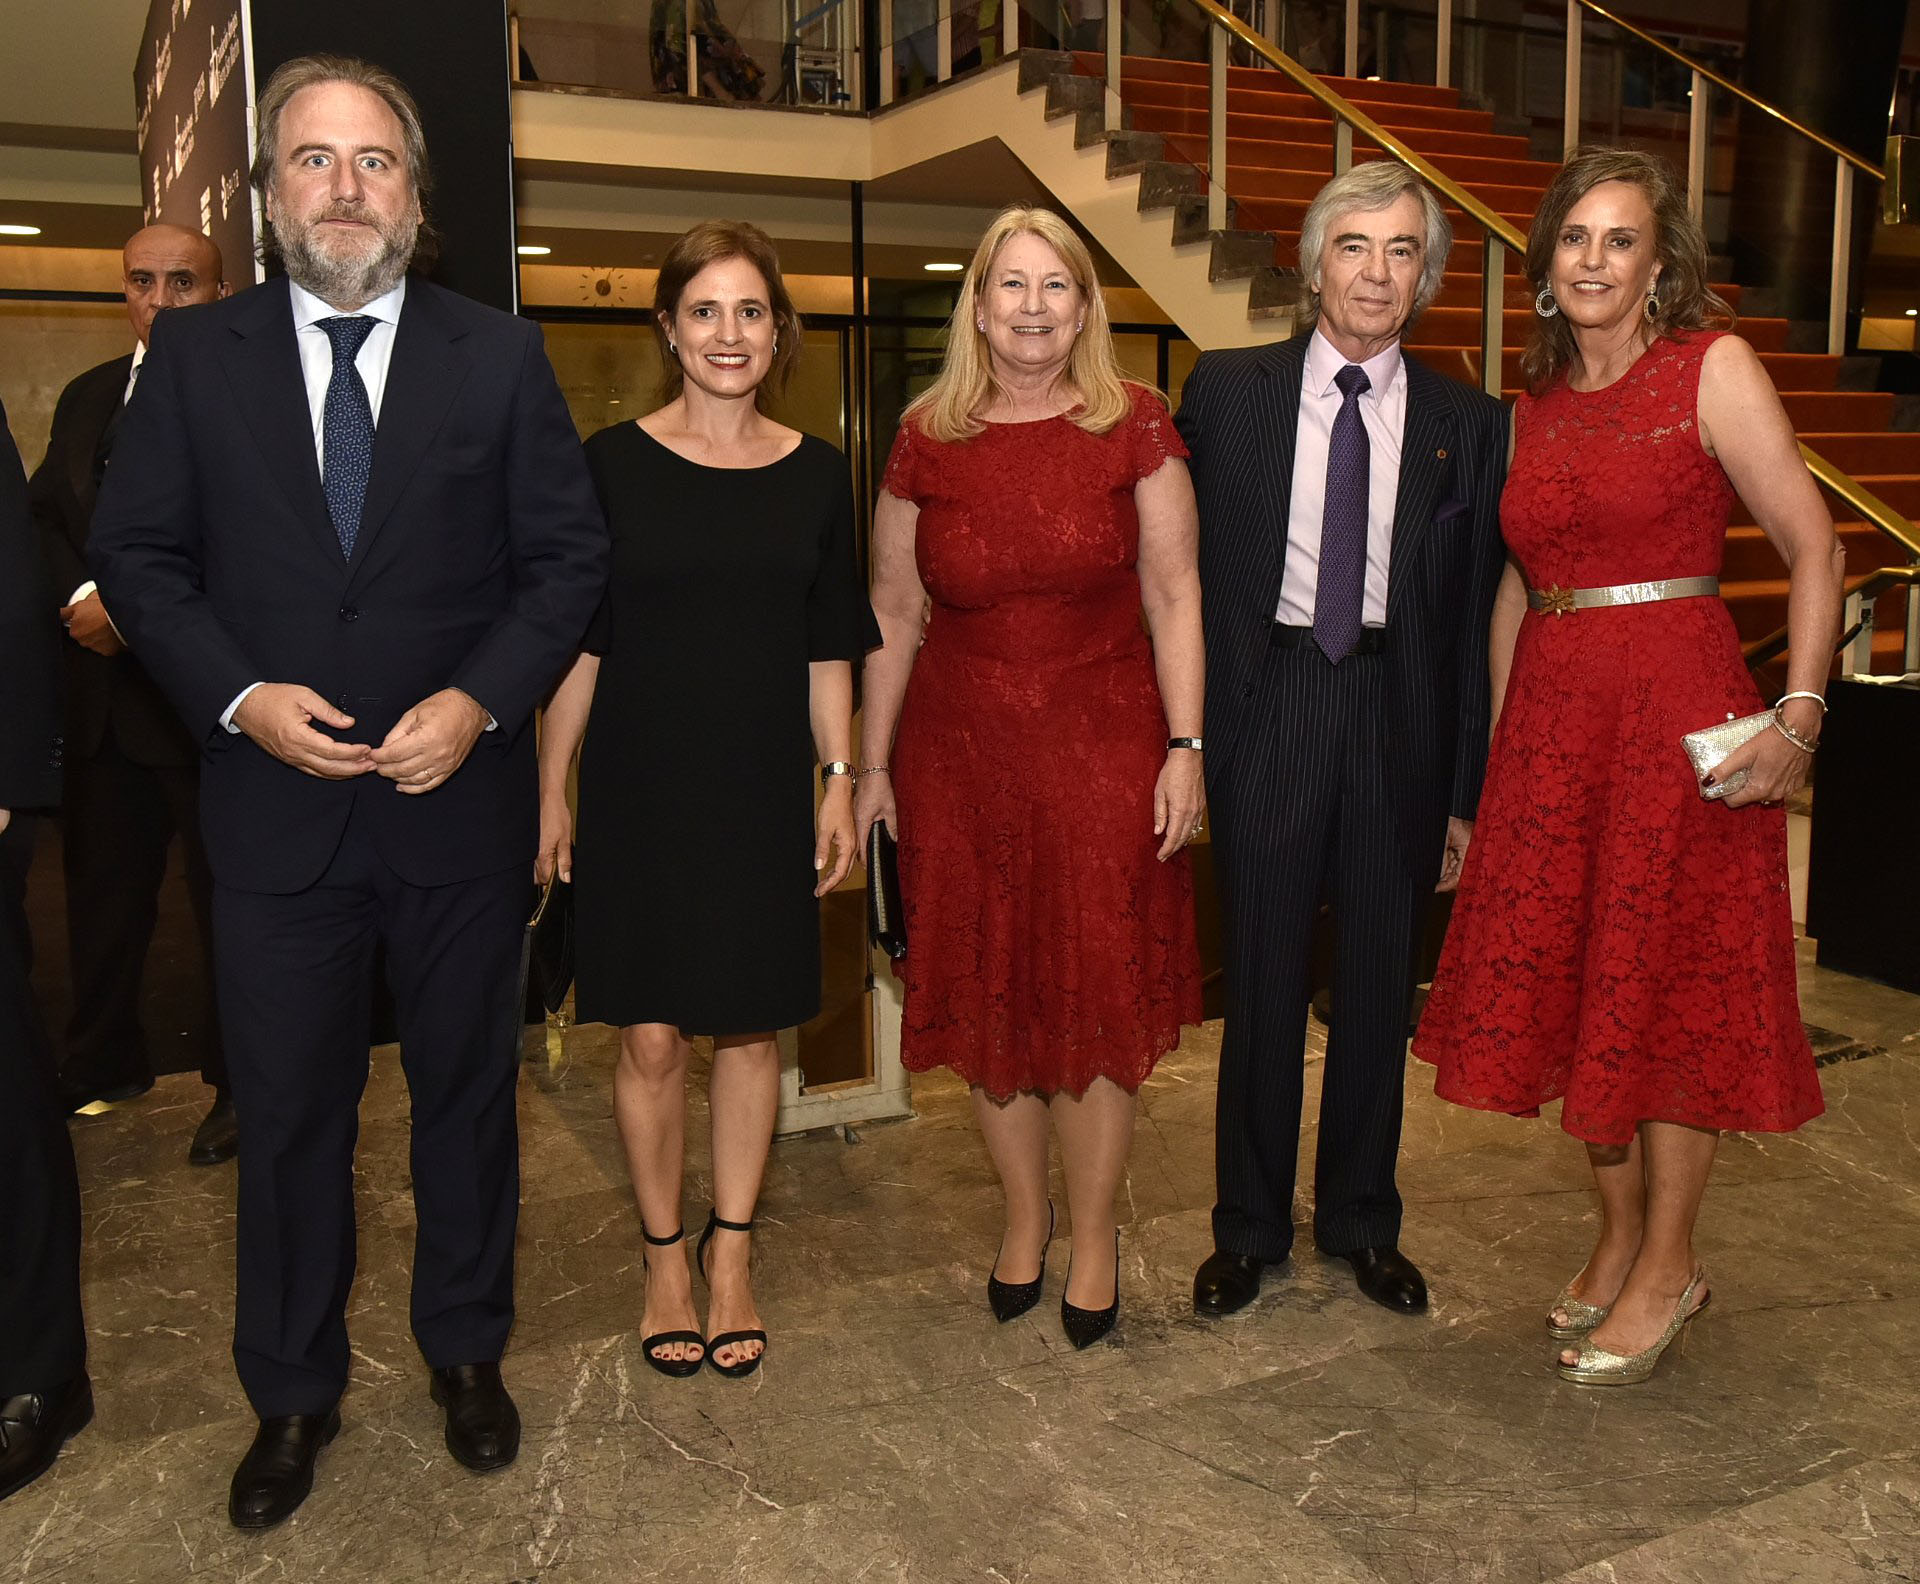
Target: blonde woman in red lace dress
{"x":1619,"y":942}
{"x":1045,"y":773}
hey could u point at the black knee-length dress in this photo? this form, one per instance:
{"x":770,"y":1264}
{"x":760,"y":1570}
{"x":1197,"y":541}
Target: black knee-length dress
{"x":693,"y":864}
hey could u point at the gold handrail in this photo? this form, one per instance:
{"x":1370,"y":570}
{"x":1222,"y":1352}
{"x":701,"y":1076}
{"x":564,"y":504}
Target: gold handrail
{"x":1753,"y":99}
{"x":1876,"y":511}
{"x":1771,"y":647}
{"x":1346,"y":110}
{"x":1869,"y":505}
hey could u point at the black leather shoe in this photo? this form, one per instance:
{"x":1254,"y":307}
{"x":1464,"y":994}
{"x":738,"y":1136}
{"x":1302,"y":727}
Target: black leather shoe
{"x":217,"y":1138}
{"x":483,"y":1426}
{"x":276,"y":1475}
{"x":1226,"y":1282}
{"x":80,"y":1090}
{"x":1389,"y":1278}
{"x":35,"y":1425}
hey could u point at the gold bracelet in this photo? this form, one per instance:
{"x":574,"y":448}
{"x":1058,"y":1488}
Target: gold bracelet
{"x":1799,"y":740}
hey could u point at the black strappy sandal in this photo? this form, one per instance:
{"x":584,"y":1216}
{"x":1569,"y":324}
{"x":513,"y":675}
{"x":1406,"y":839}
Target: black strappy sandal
{"x":679,"y":1368}
{"x":744,"y":1367}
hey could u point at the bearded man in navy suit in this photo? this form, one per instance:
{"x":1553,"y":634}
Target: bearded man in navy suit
{"x":349,"y":530}
{"x":1349,"y":550}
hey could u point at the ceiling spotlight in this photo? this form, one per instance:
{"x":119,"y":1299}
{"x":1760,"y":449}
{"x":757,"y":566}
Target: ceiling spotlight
{"x":19,"y":230}
{"x":532,"y":250}
{"x":944,"y":269}
{"x":1913,"y":313}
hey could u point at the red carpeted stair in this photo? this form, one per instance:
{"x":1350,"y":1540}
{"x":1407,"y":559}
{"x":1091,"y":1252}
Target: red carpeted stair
{"x":1280,"y":152}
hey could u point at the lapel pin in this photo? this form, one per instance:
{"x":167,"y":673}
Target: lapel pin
{"x":1441,"y":454}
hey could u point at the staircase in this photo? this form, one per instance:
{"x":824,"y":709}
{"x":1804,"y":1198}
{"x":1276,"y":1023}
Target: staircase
{"x":1280,"y":152}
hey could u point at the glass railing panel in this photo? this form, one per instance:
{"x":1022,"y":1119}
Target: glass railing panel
{"x":746,"y":51}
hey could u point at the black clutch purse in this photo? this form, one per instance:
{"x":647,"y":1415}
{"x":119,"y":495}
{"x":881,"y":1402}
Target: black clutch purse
{"x":886,"y":922}
{"x":550,"y":944}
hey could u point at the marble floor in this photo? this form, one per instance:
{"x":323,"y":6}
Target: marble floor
{"x":897,"y":1434}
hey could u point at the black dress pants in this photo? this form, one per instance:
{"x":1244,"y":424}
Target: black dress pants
{"x":1302,"y":812}
{"x":296,"y":986}
{"x":43,"y":1341}
{"x":119,"y":818}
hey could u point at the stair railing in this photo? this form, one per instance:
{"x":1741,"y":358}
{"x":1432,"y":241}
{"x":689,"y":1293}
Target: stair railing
{"x":1847,"y":166}
{"x":1855,"y":647}
{"x":1224,"y":31}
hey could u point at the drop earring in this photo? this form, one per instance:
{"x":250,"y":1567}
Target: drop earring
{"x":1653,"y":306}
{"x":1545,"y":304}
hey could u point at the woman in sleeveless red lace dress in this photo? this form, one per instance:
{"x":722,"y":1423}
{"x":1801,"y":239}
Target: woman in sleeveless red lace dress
{"x":1620,"y":942}
{"x":1039,"y":799}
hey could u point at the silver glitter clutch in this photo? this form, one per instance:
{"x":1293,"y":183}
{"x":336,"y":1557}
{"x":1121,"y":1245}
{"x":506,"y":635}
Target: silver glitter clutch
{"x":1710,"y":745}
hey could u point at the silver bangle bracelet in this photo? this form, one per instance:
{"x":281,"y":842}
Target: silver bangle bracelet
{"x":1814,"y":696}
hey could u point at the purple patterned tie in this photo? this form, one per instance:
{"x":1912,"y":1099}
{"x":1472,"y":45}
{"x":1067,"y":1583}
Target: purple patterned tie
{"x":1343,"y":531}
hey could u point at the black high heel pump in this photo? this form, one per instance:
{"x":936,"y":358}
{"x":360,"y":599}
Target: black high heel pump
{"x":1010,"y":1300}
{"x":1084,"y":1327}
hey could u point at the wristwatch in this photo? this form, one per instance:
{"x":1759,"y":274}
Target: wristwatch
{"x":1184,"y":742}
{"x":839,"y":767}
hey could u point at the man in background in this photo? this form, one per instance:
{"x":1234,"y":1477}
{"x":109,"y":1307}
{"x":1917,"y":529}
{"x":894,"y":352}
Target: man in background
{"x":133,"y":775}
{"x":44,"y":1394}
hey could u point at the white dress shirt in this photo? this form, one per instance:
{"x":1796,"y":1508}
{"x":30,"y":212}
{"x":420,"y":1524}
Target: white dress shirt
{"x":316,"y":364}
{"x":1383,"y":413}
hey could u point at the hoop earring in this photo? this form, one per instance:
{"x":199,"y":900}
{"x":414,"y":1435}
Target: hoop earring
{"x":1545,"y":304}
{"x":672,"y":350}
{"x":1653,"y":307}
{"x":776,"y":344}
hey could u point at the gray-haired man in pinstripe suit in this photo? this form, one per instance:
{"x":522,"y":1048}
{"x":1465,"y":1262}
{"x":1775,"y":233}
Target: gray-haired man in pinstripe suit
{"x":1349,"y":550}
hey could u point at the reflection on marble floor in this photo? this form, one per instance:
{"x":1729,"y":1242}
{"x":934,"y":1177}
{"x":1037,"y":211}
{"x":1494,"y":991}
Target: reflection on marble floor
{"x":896,"y":1433}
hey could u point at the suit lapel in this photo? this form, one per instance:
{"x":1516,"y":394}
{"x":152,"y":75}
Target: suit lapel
{"x":93,"y":437}
{"x":1277,"y":415}
{"x":263,"y":362}
{"x":424,"y":375}
{"x":1425,"y":443}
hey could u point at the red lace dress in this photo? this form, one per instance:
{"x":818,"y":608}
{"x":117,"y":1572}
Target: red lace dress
{"x":1617,"y":939}
{"x":1046,"y":945}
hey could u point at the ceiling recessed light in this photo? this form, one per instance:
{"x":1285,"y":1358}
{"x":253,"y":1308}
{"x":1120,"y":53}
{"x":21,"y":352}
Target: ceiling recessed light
{"x":19,"y":230}
{"x":532,"y":250}
{"x":944,"y":269}
{"x":1913,"y":313}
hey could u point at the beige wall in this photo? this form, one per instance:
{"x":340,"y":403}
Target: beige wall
{"x":610,"y":373}
{"x":42,"y":347}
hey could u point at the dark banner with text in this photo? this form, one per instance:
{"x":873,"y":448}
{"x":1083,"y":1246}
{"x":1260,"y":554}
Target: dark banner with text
{"x":190,"y":94}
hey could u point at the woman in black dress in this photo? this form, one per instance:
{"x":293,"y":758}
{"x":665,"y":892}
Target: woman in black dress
{"x":719,"y":665}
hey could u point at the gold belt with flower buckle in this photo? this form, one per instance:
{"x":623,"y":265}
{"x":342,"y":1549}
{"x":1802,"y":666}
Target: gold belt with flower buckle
{"x":1558,"y":601}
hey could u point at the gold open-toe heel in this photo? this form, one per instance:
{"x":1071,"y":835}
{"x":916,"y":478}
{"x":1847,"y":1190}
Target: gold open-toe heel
{"x":1582,"y":1316}
{"x":1597,"y":1367}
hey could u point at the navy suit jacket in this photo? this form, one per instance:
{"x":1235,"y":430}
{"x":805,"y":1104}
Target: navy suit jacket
{"x":1239,"y":414}
{"x":103,"y":692}
{"x":480,"y":558}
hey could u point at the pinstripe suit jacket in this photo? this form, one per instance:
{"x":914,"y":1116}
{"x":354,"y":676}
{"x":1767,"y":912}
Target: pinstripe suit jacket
{"x":1238,"y":415}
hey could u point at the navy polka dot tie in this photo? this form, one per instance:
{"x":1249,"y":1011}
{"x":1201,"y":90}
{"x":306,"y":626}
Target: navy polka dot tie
{"x":347,"y":428}
{"x":1342,"y":579}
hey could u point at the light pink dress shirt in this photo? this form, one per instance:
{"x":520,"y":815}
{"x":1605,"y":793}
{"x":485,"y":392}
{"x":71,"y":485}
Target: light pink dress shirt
{"x":1383,"y":412}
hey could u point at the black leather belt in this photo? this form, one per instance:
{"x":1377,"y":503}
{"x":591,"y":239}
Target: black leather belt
{"x":1373,"y":640}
